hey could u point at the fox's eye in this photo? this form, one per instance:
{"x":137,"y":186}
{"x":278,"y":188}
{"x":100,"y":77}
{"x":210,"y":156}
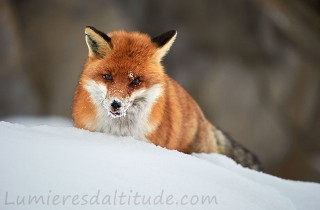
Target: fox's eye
{"x":107,"y":77}
{"x":136,"y":81}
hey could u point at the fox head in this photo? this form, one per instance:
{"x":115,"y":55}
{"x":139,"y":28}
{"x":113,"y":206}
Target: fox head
{"x":123,"y":72}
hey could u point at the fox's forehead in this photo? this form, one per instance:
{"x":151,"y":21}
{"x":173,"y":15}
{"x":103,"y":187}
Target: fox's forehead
{"x":130,"y":54}
{"x":131,"y":45}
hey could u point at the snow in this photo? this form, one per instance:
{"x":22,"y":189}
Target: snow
{"x":69,"y":168}
{"x":34,"y":121}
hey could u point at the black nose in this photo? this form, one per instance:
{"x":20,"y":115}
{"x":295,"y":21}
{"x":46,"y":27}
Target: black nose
{"x":115,"y":105}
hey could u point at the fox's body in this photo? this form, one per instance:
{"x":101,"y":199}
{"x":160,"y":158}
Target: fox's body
{"x":125,"y":91}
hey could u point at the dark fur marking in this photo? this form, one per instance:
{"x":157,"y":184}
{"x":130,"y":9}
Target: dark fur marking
{"x":162,"y":39}
{"x":103,"y":35}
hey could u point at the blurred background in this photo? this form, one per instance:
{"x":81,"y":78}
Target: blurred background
{"x":253,"y":65}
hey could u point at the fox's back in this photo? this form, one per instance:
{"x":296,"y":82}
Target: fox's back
{"x":182,"y":123}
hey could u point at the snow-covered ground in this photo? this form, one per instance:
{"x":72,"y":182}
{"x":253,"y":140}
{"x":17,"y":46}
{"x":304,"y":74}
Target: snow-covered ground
{"x":50,"y":167}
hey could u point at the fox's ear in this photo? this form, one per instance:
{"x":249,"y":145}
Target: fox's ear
{"x":163,"y":43}
{"x":99,"y":43}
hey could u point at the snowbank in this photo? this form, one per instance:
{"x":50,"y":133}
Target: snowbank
{"x":35,"y":121}
{"x":47,"y":167}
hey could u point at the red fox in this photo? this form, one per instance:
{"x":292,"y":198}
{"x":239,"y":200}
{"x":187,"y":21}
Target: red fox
{"x":125,"y":91}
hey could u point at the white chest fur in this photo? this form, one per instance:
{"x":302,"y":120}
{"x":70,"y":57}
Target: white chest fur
{"x":136,"y":121}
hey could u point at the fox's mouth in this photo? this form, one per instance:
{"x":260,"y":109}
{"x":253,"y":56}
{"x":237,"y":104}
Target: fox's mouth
{"x":115,"y":113}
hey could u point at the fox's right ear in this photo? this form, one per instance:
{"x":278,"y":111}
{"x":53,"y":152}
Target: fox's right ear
{"x":99,"y":43}
{"x":163,"y":43}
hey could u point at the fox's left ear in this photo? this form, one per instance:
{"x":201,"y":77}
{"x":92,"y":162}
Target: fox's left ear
{"x":99,"y":43}
{"x":163,"y":43}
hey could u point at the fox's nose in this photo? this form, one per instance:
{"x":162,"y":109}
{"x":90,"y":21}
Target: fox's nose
{"x":115,"y":105}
